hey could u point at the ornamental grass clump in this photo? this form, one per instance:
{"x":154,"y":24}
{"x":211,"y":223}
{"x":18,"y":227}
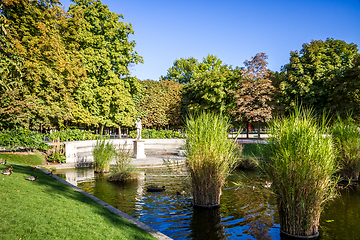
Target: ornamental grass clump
{"x":103,"y":152}
{"x":346,"y":138}
{"x":210,"y":156}
{"x":123,"y":170}
{"x":300,"y":161}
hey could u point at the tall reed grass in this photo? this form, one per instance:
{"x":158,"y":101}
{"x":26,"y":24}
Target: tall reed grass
{"x":123,"y":170}
{"x":103,"y":152}
{"x":210,"y":156}
{"x":346,"y":137}
{"x":300,"y":161}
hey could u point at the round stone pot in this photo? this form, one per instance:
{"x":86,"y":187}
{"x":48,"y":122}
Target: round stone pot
{"x":290,"y":236}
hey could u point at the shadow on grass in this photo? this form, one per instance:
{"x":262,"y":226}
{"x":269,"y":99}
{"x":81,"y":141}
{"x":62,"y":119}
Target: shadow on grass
{"x":53,"y":187}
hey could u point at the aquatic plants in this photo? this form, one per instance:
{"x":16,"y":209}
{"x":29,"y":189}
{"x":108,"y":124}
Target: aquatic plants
{"x":210,"y":156}
{"x":104,"y":151}
{"x":123,"y":170}
{"x":300,"y":161}
{"x":346,"y":138}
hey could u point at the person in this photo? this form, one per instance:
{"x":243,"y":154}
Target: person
{"x":138,"y":128}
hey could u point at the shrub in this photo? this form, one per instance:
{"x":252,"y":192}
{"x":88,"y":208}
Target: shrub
{"x":71,"y":135}
{"x":210,"y":156}
{"x":300,"y":161}
{"x":104,"y":151}
{"x":156,"y":134}
{"x":347,"y":139}
{"x":22,"y":138}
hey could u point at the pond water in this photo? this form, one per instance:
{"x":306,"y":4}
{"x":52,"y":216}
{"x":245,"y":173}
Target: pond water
{"x":246,"y":212}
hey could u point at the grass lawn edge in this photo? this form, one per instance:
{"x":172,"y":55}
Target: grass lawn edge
{"x":139,"y":224}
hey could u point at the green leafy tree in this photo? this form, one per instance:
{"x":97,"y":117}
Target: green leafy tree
{"x":186,"y":70}
{"x":49,"y":70}
{"x":107,"y":93}
{"x":314,"y":73}
{"x":160,"y":104}
{"x":182,"y":71}
{"x":255,"y":90}
{"x":345,"y":97}
{"x":212,"y":90}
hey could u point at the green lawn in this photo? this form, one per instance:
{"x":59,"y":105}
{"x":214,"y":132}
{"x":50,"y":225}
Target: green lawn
{"x":48,"y":209}
{"x":28,"y":159}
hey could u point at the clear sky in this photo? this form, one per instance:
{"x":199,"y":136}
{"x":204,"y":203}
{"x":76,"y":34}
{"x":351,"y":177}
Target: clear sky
{"x":232,"y":30}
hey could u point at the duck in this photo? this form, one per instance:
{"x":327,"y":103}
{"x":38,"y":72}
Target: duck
{"x":7,"y":172}
{"x":33,"y":169}
{"x":10,"y":168}
{"x":31,"y":178}
{"x":3,"y":162}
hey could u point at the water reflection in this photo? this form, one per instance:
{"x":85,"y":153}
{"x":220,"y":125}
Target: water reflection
{"x":246,"y":212}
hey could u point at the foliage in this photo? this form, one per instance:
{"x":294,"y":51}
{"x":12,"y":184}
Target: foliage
{"x":185,"y":70}
{"x":156,"y":134}
{"x":123,"y":170}
{"x":300,"y":161}
{"x":22,"y":138}
{"x":345,"y":96}
{"x":47,"y":63}
{"x":315,"y":72}
{"x":104,"y":152}
{"x":49,"y":209}
{"x":254,"y":92}
{"x":182,"y":71}
{"x":106,"y":54}
{"x":56,"y":153}
{"x":71,"y":135}
{"x":212,"y":90}
{"x":346,"y":137}
{"x":210,"y":156}
{"x":160,"y":104}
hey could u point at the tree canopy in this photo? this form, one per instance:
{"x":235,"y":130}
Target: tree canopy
{"x":106,"y":53}
{"x":160,"y":104}
{"x":315,"y":74}
{"x":49,"y":70}
{"x":254,"y":91}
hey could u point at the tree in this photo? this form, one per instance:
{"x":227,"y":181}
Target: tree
{"x":254,"y":93}
{"x":345,"y":97}
{"x":49,"y":69}
{"x":314,"y":73}
{"x":186,"y":70}
{"x":212,"y":90}
{"x":107,"y":93}
{"x":160,"y":104}
{"x":182,"y":71}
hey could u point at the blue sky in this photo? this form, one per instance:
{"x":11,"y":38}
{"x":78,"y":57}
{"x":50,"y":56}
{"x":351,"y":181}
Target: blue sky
{"x":234,"y":31}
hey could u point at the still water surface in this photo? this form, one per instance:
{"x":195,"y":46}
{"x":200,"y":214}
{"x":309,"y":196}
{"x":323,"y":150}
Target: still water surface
{"x":246,"y":212}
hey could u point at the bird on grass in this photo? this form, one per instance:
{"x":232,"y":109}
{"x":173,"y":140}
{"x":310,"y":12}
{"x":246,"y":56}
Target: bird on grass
{"x":3,"y":162}
{"x":33,"y":169}
{"x":7,"y":172}
{"x":31,"y":178}
{"x":10,"y":168}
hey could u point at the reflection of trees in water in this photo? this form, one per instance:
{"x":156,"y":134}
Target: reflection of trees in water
{"x":206,"y":224}
{"x":256,"y":205}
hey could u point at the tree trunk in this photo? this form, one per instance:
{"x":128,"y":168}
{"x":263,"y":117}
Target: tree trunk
{"x":258,"y":129}
{"x":120,"y":132}
{"x":247,"y":129}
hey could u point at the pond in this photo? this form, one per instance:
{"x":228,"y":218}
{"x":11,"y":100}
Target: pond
{"x":246,"y":212}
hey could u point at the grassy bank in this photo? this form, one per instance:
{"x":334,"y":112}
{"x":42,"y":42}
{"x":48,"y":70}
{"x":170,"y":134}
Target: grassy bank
{"x":24,"y":159}
{"x":48,"y":209}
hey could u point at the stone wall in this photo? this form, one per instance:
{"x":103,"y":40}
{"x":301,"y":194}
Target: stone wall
{"x":80,"y":152}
